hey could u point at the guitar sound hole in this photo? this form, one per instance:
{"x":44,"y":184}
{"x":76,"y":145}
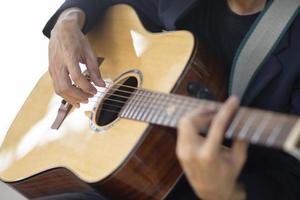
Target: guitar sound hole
{"x":115,"y":100}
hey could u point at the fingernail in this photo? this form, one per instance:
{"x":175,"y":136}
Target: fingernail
{"x":93,"y":91}
{"x":100,"y":83}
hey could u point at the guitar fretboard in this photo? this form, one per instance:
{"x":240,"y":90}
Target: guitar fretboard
{"x":255,"y":126}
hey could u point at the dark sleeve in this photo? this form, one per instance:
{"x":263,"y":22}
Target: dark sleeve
{"x":273,"y":184}
{"x":272,"y":174}
{"x":94,"y":9}
{"x":295,"y":100}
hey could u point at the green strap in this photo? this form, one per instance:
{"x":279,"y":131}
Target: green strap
{"x":260,"y":42}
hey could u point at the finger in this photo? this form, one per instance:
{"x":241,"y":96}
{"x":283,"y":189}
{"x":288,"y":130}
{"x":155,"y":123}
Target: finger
{"x":78,"y":95}
{"x":79,"y":79}
{"x":239,"y":152}
{"x":188,"y":128}
{"x":93,"y":68}
{"x":66,"y":89}
{"x":220,"y":124}
{"x":57,"y":86}
{"x":71,"y":101}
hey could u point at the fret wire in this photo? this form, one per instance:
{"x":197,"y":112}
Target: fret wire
{"x":140,"y":105}
{"x":135,"y":106}
{"x":144,"y":105}
{"x":127,"y":107}
{"x":278,"y":128}
{"x":183,"y":103}
{"x":154,"y":116}
{"x":261,"y":128}
{"x":136,"y":103}
{"x":183,"y":106}
{"x":134,"y":92}
{"x":177,"y":115}
{"x":130,"y":105}
{"x":170,"y":107}
{"x":156,"y":110}
{"x":145,"y":112}
{"x":243,"y":133}
{"x":287,"y":129}
{"x":136,"y":99}
{"x":133,"y":101}
{"x":200,"y":105}
{"x":161,"y":113}
{"x":151,"y":111}
{"x":234,"y":125}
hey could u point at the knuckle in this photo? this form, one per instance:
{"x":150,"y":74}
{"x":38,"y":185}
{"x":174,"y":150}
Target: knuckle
{"x":58,"y":91}
{"x":185,"y":121}
{"x":184,"y":154}
{"x":63,"y":90}
{"x":77,"y":78}
{"x":205,"y":157}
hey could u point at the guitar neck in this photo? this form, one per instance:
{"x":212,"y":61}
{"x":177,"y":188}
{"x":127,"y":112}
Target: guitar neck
{"x":255,"y":126}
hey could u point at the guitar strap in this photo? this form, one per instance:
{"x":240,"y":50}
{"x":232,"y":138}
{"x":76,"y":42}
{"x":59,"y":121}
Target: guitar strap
{"x":260,"y":42}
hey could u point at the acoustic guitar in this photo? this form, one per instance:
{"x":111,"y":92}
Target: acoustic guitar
{"x":122,"y":143}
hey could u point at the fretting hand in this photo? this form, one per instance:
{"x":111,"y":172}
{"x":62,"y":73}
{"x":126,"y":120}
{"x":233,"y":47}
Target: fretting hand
{"x":211,"y":168}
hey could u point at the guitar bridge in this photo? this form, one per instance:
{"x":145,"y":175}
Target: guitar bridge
{"x":62,"y":113}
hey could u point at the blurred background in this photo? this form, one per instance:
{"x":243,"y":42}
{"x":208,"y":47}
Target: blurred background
{"x":24,"y":58}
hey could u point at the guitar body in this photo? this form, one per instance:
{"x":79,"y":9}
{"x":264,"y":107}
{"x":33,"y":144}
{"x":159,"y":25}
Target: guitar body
{"x":127,"y":159}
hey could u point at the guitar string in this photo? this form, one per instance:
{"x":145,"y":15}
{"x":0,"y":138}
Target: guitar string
{"x":138,"y":95}
{"x":125,"y":91}
{"x":127,"y":97}
{"x":236,"y":136}
{"x":155,"y":105}
{"x":151,"y":106}
{"x":116,"y":112}
{"x":108,"y":82}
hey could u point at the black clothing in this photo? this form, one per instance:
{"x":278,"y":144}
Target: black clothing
{"x":268,"y":174}
{"x":218,"y":27}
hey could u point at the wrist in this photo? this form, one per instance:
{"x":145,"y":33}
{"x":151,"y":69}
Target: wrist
{"x":70,"y":18}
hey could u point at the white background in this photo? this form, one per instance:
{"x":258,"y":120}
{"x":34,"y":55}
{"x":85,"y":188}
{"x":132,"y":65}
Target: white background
{"x":23,"y":58}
